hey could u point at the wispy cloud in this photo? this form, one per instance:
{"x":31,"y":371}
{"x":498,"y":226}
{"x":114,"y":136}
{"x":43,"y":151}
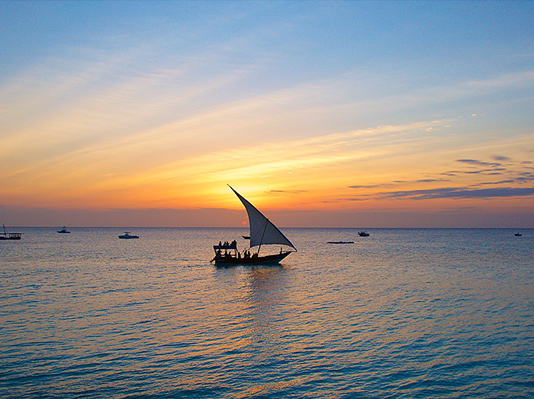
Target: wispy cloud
{"x":398,"y":183}
{"x":478,"y":163}
{"x":288,"y":155}
{"x":496,"y":183}
{"x":509,"y":80}
{"x":460,"y":193}
{"x":501,"y":158}
{"x":287,"y":191}
{"x":470,"y":189}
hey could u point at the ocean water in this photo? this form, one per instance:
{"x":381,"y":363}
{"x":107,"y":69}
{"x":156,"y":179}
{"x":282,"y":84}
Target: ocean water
{"x":404,"y":313}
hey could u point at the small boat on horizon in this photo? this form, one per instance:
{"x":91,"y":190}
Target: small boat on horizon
{"x":363,"y":234}
{"x":340,"y":242}
{"x":10,"y":236}
{"x":262,"y":232}
{"x":127,"y":235}
{"x":63,"y":230}
{"x":518,"y":234}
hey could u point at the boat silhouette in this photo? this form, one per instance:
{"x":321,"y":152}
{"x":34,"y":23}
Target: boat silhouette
{"x":262,"y":232}
{"x":9,"y":236}
{"x":127,"y":235}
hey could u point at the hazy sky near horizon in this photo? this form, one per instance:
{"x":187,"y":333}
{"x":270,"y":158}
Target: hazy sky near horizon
{"x":320,"y":113}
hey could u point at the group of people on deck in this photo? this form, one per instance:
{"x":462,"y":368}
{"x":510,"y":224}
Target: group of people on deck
{"x":233,"y":244}
{"x":228,"y":253}
{"x":246,"y":254}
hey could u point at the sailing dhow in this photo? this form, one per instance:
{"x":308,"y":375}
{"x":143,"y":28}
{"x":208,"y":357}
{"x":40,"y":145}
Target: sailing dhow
{"x":262,"y":232}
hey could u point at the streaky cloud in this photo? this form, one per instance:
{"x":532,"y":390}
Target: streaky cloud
{"x":501,"y":158}
{"x":287,"y":191}
{"x":370,"y":186}
{"x":478,"y":163}
{"x":494,"y":183}
{"x":495,"y":171}
{"x":460,"y":193}
{"x":397,"y":183}
{"x":514,"y":79}
{"x":431,"y":180}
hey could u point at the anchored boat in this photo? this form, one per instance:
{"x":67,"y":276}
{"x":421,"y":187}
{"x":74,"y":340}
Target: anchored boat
{"x":10,"y":236}
{"x":127,"y":236}
{"x":262,"y":232}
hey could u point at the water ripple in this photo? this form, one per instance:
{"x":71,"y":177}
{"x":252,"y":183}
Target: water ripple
{"x":417,"y":314}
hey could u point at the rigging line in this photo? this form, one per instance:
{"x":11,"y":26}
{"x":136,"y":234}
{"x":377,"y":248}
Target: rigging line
{"x":263,"y":234}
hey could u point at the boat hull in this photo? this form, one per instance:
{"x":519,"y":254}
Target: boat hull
{"x":259,"y":260}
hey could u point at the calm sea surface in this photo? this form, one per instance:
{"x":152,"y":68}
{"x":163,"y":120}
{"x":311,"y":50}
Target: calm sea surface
{"x":413,"y":313}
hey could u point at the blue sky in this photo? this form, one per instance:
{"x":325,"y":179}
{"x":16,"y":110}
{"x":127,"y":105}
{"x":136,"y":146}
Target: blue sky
{"x":109,"y":105}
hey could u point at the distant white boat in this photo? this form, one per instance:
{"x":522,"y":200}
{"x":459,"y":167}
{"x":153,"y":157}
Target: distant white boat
{"x":63,"y":230}
{"x":127,"y":235}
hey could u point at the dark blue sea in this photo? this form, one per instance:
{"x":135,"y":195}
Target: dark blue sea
{"x":403,"y":313}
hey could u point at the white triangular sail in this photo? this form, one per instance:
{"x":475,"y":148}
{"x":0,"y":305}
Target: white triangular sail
{"x":262,"y":231}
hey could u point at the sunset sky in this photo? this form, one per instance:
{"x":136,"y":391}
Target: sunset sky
{"x":322,"y":114}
